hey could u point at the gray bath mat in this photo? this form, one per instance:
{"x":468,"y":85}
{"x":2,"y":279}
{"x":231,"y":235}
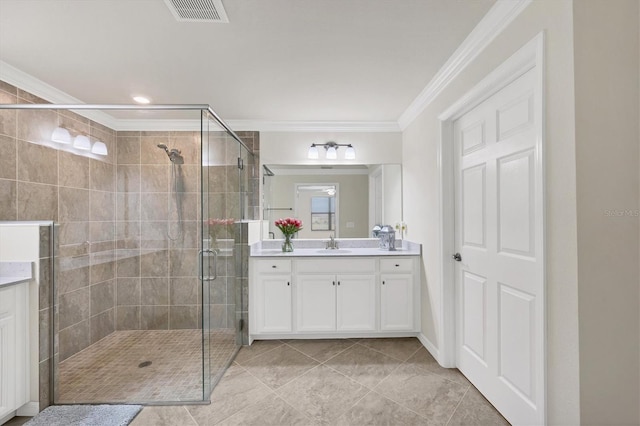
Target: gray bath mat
{"x":85,"y":415}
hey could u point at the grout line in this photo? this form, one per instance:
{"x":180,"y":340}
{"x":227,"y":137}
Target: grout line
{"x":400,"y":404}
{"x":189,"y":414}
{"x":457,"y":405}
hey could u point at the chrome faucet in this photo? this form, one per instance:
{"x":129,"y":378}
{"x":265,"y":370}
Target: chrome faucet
{"x":332,"y":244}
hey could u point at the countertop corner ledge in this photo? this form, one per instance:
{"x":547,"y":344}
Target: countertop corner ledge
{"x":12,"y":273}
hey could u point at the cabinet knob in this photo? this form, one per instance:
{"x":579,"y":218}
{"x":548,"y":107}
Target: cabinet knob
{"x":397,"y":265}
{"x":288,"y":283}
{"x":338,"y":282}
{"x":334,"y":283}
{"x":274,"y":266}
{"x":382,"y":282}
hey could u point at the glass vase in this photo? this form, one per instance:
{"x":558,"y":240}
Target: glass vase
{"x":287,"y":245}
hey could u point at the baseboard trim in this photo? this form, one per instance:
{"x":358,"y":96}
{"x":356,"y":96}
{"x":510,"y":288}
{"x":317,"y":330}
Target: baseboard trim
{"x":29,"y":409}
{"x":428,"y":345}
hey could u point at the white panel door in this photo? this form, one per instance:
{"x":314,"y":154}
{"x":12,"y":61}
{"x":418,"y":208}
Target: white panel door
{"x":499,"y":231}
{"x":396,"y":302}
{"x":356,"y":303}
{"x":316,"y":302}
{"x":274,"y":311}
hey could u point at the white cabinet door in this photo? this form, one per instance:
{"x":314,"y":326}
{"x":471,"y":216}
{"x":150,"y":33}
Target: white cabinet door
{"x":274,"y":309}
{"x":356,"y":303}
{"x":316,"y":302}
{"x":14,"y":390}
{"x":396,"y":302}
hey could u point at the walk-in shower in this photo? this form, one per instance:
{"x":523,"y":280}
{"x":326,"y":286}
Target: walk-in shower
{"x":147,"y":298}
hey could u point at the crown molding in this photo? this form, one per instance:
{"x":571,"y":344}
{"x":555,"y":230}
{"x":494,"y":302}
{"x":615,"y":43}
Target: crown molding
{"x":39,"y":88}
{"x":315,"y":126}
{"x":501,"y":14}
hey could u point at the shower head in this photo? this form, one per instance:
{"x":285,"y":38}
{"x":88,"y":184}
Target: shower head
{"x":163,"y":146}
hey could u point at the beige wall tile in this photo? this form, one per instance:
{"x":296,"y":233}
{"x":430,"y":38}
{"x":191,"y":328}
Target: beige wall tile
{"x":73,"y":204}
{"x":102,"y":206}
{"x":154,"y":178}
{"x":102,"y":175}
{"x":128,"y":149}
{"x":8,"y":207}
{"x":128,"y":318}
{"x":74,"y":170}
{"x":74,"y":339}
{"x":128,"y":291}
{"x":8,"y":156}
{"x":102,"y":297}
{"x":74,"y":307}
{"x":37,"y":202}
{"x":154,"y":291}
{"x":149,"y":151}
{"x":37,"y":163}
{"x":102,"y":325}
{"x":154,"y":317}
{"x":36,"y":125}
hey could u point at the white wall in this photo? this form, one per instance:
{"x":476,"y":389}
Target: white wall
{"x":606,"y":104}
{"x":421,"y":183}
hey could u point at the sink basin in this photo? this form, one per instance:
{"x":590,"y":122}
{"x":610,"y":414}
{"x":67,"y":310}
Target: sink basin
{"x":333,"y":251}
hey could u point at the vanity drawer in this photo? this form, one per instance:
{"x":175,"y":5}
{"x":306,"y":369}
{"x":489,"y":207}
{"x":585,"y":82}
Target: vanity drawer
{"x":274,"y":266}
{"x":396,"y":265}
{"x":336,"y":266}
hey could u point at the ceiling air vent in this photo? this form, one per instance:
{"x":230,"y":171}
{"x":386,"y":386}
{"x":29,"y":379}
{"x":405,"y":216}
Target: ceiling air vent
{"x":198,"y":10}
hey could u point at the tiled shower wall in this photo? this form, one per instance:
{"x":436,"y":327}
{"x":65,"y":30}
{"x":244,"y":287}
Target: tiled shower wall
{"x":157,"y":285}
{"x":39,"y":182}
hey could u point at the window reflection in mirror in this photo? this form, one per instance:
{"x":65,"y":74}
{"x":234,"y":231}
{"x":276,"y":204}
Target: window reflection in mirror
{"x":365,"y":194}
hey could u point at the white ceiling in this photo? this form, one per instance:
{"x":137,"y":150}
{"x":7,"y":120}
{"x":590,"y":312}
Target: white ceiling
{"x":306,"y":60}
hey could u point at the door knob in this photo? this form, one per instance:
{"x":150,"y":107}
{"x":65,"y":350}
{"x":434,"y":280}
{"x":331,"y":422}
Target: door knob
{"x":457,"y":257}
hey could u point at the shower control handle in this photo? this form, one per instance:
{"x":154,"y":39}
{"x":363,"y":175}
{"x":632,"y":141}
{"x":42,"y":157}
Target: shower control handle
{"x":201,"y":255}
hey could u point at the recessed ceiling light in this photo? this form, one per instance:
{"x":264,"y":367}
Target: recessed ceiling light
{"x":142,"y":99}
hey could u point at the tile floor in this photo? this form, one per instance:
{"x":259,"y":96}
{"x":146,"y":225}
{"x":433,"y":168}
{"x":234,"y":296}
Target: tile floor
{"x":334,"y":382}
{"x":109,"y":371}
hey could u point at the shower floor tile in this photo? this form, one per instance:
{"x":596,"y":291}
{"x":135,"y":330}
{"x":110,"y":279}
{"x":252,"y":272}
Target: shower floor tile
{"x":113,"y":369}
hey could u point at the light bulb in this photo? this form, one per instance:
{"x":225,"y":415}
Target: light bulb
{"x":332,"y":154}
{"x":82,"y":142}
{"x":99,"y":148}
{"x":313,"y":152}
{"x":350,"y":153}
{"x":61,"y":135}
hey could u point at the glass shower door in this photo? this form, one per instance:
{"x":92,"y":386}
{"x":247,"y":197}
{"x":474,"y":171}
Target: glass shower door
{"x":221,"y":217}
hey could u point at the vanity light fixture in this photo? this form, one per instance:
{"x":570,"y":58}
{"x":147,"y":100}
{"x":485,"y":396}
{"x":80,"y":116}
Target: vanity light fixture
{"x":313,"y":152}
{"x":99,"y":148}
{"x":82,"y":142}
{"x":61,"y":135}
{"x":332,"y":151}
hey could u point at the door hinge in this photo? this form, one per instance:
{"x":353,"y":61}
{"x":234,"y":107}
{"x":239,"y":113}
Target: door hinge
{"x":240,"y":163}
{"x":241,"y":324}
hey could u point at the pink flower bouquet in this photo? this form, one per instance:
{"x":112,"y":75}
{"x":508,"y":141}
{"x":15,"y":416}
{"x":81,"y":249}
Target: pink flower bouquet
{"x":289,"y":226}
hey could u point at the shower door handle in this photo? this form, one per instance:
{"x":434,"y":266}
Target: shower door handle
{"x":207,"y":277}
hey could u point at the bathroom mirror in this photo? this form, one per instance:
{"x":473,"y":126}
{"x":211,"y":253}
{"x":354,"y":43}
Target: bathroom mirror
{"x":341,"y":200}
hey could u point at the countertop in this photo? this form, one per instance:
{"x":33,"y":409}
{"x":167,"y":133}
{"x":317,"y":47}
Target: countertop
{"x":348,"y":248}
{"x":12,"y":273}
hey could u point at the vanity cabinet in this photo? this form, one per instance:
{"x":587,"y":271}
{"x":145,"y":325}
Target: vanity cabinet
{"x":335,"y":302}
{"x":305,"y":297}
{"x":14,"y":345}
{"x":273,"y":301}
